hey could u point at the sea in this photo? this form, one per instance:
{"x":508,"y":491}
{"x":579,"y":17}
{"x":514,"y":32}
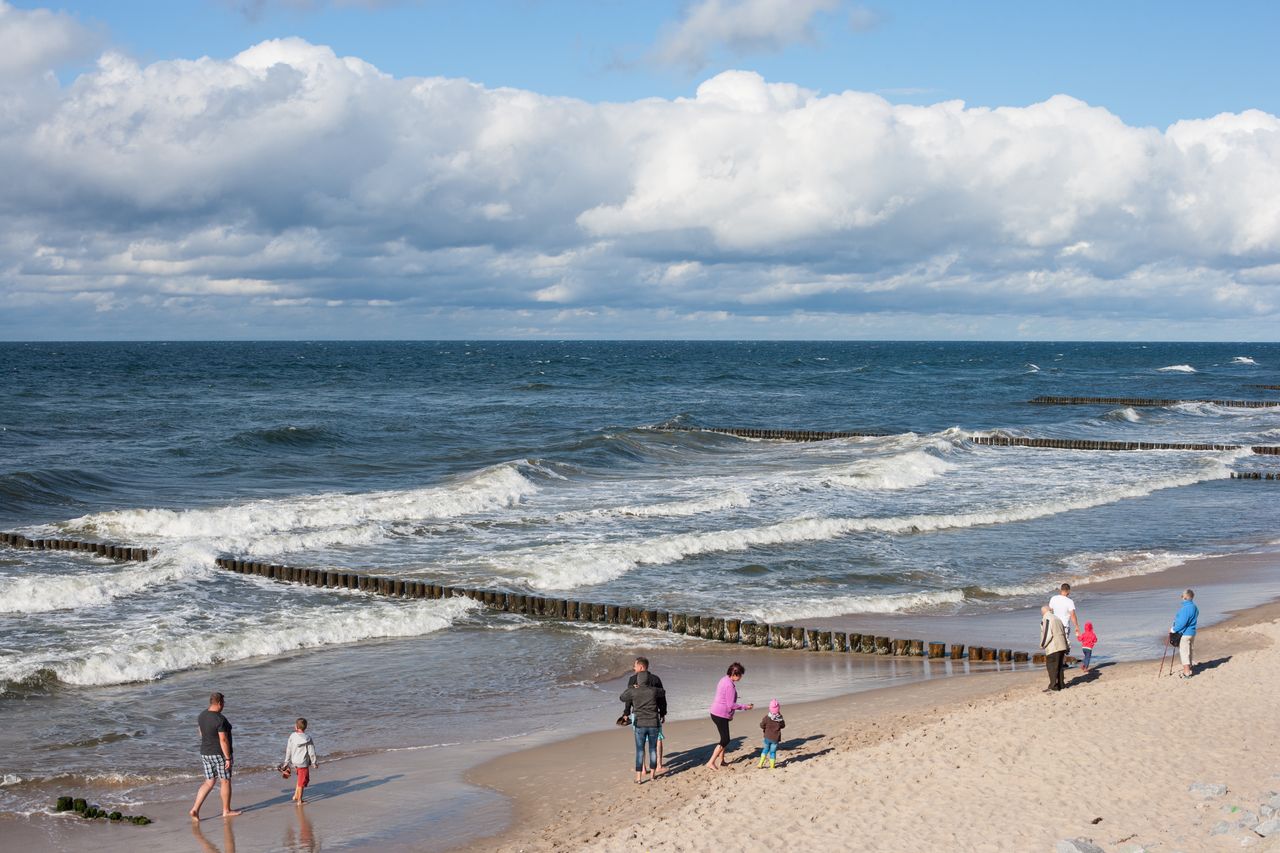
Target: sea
{"x":544,"y":467}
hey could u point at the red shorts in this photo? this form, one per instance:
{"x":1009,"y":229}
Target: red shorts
{"x":304,"y":776}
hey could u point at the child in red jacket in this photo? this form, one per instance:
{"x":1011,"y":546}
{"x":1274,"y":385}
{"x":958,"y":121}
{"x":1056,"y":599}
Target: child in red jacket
{"x":1088,"y":640}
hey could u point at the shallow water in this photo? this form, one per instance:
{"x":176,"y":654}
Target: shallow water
{"x":534,"y":466}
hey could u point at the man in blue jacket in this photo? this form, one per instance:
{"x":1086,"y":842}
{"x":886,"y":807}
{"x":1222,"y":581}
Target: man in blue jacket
{"x":1185,"y":624}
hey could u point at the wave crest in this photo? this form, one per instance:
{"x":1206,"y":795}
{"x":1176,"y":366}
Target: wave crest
{"x":267,"y":527}
{"x":1177,"y":368}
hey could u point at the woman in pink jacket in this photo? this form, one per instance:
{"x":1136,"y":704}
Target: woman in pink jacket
{"x":726,"y":702}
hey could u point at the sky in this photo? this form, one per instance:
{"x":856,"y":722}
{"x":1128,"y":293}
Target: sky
{"x":723,"y":169}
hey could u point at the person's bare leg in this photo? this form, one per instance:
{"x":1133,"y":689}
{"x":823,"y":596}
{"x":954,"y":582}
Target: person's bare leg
{"x":660,"y":768}
{"x":717,"y":757}
{"x":226,"y":799}
{"x":200,"y":798}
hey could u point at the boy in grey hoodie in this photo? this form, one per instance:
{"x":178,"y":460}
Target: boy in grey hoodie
{"x":300,"y":753}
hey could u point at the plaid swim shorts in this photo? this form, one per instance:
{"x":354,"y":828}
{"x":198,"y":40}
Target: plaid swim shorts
{"x":215,"y":767}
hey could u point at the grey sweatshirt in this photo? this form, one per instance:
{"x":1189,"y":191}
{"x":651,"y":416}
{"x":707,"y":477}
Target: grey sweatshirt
{"x":300,"y":751}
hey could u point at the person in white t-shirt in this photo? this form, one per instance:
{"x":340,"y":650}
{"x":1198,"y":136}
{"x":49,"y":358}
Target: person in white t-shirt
{"x":1065,"y":609}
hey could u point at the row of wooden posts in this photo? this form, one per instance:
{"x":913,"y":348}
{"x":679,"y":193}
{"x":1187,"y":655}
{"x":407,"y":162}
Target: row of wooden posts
{"x":1094,"y":444}
{"x":777,"y":434}
{"x":722,"y":629}
{"x":985,"y":440}
{"x":1254,"y":475}
{"x":1144,"y":401}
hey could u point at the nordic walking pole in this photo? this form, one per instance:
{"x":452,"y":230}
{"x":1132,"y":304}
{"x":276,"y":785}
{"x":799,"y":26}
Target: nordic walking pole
{"x":1160,"y":671}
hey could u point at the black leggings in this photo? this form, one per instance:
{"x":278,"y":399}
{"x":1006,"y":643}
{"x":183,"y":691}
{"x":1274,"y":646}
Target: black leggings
{"x":722,"y":726}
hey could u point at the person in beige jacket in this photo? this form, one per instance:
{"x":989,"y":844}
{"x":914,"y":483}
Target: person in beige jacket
{"x":1053,"y":639}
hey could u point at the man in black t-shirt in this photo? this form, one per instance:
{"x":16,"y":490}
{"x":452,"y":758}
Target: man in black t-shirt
{"x":215,"y":755}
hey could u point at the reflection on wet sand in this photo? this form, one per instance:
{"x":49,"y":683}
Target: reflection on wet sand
{"x":228,"y":838}
{"x":301,"y":838}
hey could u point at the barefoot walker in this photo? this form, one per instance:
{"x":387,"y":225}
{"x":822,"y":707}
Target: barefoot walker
{"x":726,"y":702}
{"x":215,"y":755}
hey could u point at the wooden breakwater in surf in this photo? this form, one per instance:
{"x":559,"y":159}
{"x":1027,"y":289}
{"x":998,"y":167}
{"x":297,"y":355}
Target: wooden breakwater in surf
{"x":707,"y":627}
{"x":1148,"y":402}
{"x":984,"y":440}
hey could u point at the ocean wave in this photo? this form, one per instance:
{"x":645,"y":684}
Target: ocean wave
{"x":568,"y":567}
{"x":1177,"y":368}
{"x":733,"y":499}
{"x":1243,"y":359}
{"x":1095,"y":567}
{"x":288,"y":436}
{"x":1031,"y":368}
{"x":144,"y":657}
{"x":48,"y":487}
{"x":43,"y":592}
{"x":268,"y":527}
{"x":889,"y":473}
{"x":817,"y":608}
{"x":1211,"y":410}
{"x":1128,"y":414}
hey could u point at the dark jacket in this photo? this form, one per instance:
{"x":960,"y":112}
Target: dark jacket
{"x":647,"y":699}
{"x":772,"y":728}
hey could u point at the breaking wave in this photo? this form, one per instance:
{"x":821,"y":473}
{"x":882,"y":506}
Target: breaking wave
{"x":817,"y":608}
{"x":147,"y":657}
{"x":1243,"y":359}
{"x":568,"y":567}
{"x":268,"y":527}
{"x":43,"y":592}
{"x":1177,"y":368}
{"x":1095,"y":567}
{"x":1128,"y":414}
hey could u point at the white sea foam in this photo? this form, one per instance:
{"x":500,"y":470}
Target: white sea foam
{"x":42,"y":592}
{"x":840,"y":605}
{"x":1095,"y":567}
{"x":901,"y":471}
{"x":732,"y":499}
{"x":1243,"y":359}
{"x":1128,"y":413}
{"x":146,"y":656}
{"x":1178,"y":368}
{"x":314,"y":521}
{"x":1032,"y":368}
{"x":570,"y":566}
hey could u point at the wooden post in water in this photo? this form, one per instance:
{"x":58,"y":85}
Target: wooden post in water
{"x":1006,"y":656}
{"x":732,"y":630}
{"x":916,"y":648}
{"x":839,"y":641}
{"x":677,"y":623}
{"x":814,"y":639}
{"x":937,"y":650}
{"x":1038,"y":658}
{"x":884,"y":645}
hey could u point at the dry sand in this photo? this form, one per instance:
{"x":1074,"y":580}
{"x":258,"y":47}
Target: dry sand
{"x":987,"y":762}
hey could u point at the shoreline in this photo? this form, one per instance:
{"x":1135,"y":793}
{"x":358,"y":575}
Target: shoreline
{"x":591,"y":772}
{"x":365,"y":800}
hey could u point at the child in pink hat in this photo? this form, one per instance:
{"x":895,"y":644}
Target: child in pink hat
{"x":772,"y":726}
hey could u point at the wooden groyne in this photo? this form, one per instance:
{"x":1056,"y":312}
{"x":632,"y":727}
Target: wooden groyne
{"x":984,"y":440}
{"x":1143,"y":401}
{"x":1254,"y":475}
{"x":776,"y":434}
{"x":1268,"y":387}
{"x":718,"y":628}
{"x":1092,"y":444}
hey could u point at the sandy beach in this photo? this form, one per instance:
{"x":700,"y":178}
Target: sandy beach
{"x":983,"y":761}
{"x":987,"y":762}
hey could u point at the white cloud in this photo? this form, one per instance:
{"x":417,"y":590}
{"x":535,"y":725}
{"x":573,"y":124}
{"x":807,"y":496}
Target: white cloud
{"x":740,"y":26}
{"x":301,"y":179}
{"x":35,"y":40}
